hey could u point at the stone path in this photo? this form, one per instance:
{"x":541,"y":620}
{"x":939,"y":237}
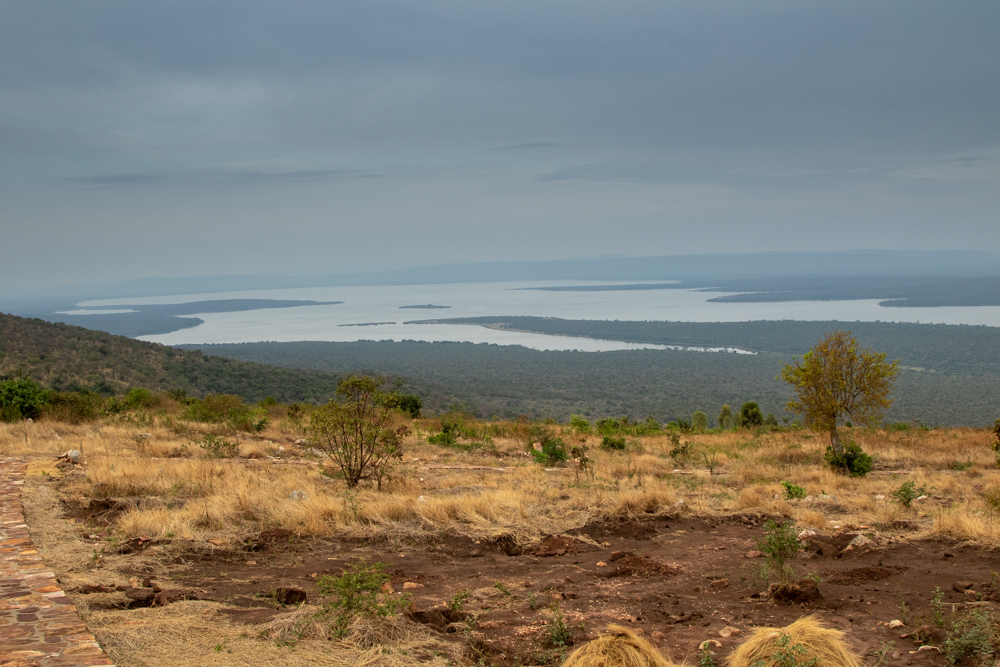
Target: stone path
{"x":39,"y":626}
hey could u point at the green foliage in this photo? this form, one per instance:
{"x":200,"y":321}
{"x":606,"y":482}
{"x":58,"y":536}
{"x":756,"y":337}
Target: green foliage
{"x":699,"y":422}
{"x":750,"y":415}
{"x":793,"y":491}
{"x":898,"y":427}
{"x":579,"y":424}
{"x":706,"y":658}
{"x":553,"y":452}
{"x":559,"y":634}
{"x":139,"y":397}
{"x":227,"y":409}
{"x":358,"y":592}
{"x":21,"y":399}
{"x":779,"y":544}
{"x":771,"y":420}
{"x":623,"y":426}
{"x":357,"y":430}
{"x":215,"y":447}
{"x":907,"y":493}
{"x":725,"y":418}
{"x":408,"y":403}
{"x":73,"y":407}
{"x":853,"y":461}
{"x":458,"y":600}
{"x":611,"y":443}
{"x":788,"y":654}
{"x":973,"y":637}
{"x":996,"y":434}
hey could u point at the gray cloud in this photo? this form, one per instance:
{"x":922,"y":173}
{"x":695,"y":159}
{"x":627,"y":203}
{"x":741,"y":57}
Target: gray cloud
{"x":493,"y":120}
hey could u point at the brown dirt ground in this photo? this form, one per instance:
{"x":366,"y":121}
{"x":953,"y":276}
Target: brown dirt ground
{"x":677,"y":581}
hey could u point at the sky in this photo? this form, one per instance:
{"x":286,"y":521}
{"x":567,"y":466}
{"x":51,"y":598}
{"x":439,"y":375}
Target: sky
{"x":204,"y":138}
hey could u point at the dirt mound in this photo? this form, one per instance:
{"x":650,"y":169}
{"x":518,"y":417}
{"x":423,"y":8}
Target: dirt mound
{"x":862,"y":575}
{"x":627,"y":564}
{"x":623,"y":529}
{"x":268,"y":539}
{"x":442,"y":619}
{"x":560,"y":545}
{"x":803,"y":592}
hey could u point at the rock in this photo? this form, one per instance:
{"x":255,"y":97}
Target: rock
{"x":753,"y":553}
{"x":926,"y":648}
{"x":896,"y":624}
{"x":920,"y":498}
{"x":410,"y":585}
{"x":387,"y":587}
{"x":806,"y":534}
{"x":961,"y":586}
{"x":709,"y":642}
{"x":475,"y":553}
{"x":297,"y":495}
{"x":73,"y":456}
{"x":290,"y":595}
{"x":656,"y":634}
{"x":858,"y":542}
{"x":537,"y":446}
{"x":141,"y":597}
{"x":729,"y":631}
{"x":618,"y":555}
{"x":680,"y":502}
{"x":720,"y":583}
{"x":421,"y":499}
{"x":601,"y":563}
{"x":879,"y":497}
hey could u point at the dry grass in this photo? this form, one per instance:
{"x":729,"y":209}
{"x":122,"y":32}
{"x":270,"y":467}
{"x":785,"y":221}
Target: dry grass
{"x":618,"y":648}
{"x":806,"y":641}
{"x":155,"y":474}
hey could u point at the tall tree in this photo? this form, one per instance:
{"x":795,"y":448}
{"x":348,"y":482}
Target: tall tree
{"x":837,"y":380}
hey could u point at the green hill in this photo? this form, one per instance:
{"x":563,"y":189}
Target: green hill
{"x":70,"y":358}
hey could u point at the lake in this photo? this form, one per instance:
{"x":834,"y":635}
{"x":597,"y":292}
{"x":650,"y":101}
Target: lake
{"x":385,"y":305}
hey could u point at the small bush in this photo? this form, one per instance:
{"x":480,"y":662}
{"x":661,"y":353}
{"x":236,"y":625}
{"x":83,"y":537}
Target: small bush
{"x":579,"y":424}
{"x":359,"y":592}
{"x":553,"y":452}
{"x":779,"y":544}
{"x":853,"y":461}
{"x":611,"y":443}
{"x":559,"y":634}
{"x":793,"y":491}
{"x":907,"y":493}
{"x":73,"y":407}
{"x":215,"y":447}
{"x":750,"y":415}
{"x":974,"y":636}
{"x":21,"y":399}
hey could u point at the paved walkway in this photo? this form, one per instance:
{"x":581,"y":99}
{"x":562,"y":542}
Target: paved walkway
{"x":39,"y":626}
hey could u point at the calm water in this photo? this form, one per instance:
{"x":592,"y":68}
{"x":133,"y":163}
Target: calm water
{"x":382,"y":304}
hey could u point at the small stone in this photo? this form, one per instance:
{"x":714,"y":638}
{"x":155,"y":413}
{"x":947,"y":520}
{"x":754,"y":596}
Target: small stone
{"x":537,"y":446}
{"x":410,"y":585}
{"x":729,"y":631}
{"x":656,"y":634}
{"x":896,"y":624}
{"x":421,"y":499}
{"x":475,"y":553}
{"x":753,"y":553}
{"x":297,"y":495}
{"x":709,"y":642}
{"x":387,"y":587}
{"x":720,"y":583}
{"x":605,"y":544}
{"x":601,"y":563}
{"x":961,"y":586}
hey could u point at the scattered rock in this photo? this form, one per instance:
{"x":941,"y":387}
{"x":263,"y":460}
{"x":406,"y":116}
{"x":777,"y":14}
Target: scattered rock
{"x":961,"y":586}
{"x":656,"y":634}
{"x":284,"y":595}
{"x":387,"y":587}
{"x":729,"y":631}
{"x":858,"y":542}
{"x":720,"y":583}
{"x":410,"y":585}
{"x":753,"y":553}
{"x":930,"y":634}
{"x":896,"y":624}
{"x":601,"y":563}
{"x":475,"y":553}
{"x":297,"y":495}
{"x":537,"y":446}
{"x":806,"y":534}
{"x":421,"y":499}
{"x":73,"y":456}
{"x":709,"y":642}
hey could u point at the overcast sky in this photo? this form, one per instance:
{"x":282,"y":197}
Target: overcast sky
{"x":197,"y":138}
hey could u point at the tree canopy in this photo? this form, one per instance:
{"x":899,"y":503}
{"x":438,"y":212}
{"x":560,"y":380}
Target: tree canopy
{"x":836,"y":381}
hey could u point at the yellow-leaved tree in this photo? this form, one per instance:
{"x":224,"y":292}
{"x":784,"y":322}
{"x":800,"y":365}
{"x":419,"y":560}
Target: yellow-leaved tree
{"x":837,"y":381}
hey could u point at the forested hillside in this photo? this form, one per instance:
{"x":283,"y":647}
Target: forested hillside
{"x":66,"y":357}
{"x":510,"y":380}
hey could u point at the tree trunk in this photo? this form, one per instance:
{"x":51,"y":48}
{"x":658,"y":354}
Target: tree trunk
{"x":838,"y":448}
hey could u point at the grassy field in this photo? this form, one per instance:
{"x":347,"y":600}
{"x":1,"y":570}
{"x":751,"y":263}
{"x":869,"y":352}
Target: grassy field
{"x":153,"y":483}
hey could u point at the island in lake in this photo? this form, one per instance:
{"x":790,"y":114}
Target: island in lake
{"x":426,"y":306}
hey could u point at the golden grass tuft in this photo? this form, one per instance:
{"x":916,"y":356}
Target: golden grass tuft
{"x":767,"y":646}
{"x":618,"y":648}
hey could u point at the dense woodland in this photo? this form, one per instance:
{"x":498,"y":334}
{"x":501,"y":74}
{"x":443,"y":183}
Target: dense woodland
{"x":959,"y":387}
{"x":69,"y":358}
{"x":508,"y":380}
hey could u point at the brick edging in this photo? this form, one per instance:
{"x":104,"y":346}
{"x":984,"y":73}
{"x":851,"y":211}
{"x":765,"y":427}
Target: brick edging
{"x":39,"y":626}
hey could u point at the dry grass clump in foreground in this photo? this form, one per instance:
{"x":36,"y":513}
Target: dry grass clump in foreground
{"x":618,"y":648}
{"x":196,"y":634}
{"x":804,"y":642}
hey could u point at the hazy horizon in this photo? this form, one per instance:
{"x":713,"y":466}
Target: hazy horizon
{"x":183,"y":139}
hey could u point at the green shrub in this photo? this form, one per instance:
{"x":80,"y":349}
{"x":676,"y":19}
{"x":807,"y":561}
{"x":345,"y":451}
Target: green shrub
{"x":215,"y":447}
{"x":699,"y":422}
{"x":579,"y":424}
{"x":750,"y":415}
{"x":793,"y":491}
{"x":140,"y":397}
{"x":229,"y":410}
{"x":853,"y":461}
{"x":898,"y":427}
{"x":358,"y":592}
{"x":73,"y":407}
{"x":972,"y":637}
{"x":553,"y":452}
{"x":907,"y":493}
{"x":611,"y":443}
{"x":779,"y":544}
{"x":21,"y":399}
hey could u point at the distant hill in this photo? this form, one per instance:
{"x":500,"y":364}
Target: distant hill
{"x":68,"y":357}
